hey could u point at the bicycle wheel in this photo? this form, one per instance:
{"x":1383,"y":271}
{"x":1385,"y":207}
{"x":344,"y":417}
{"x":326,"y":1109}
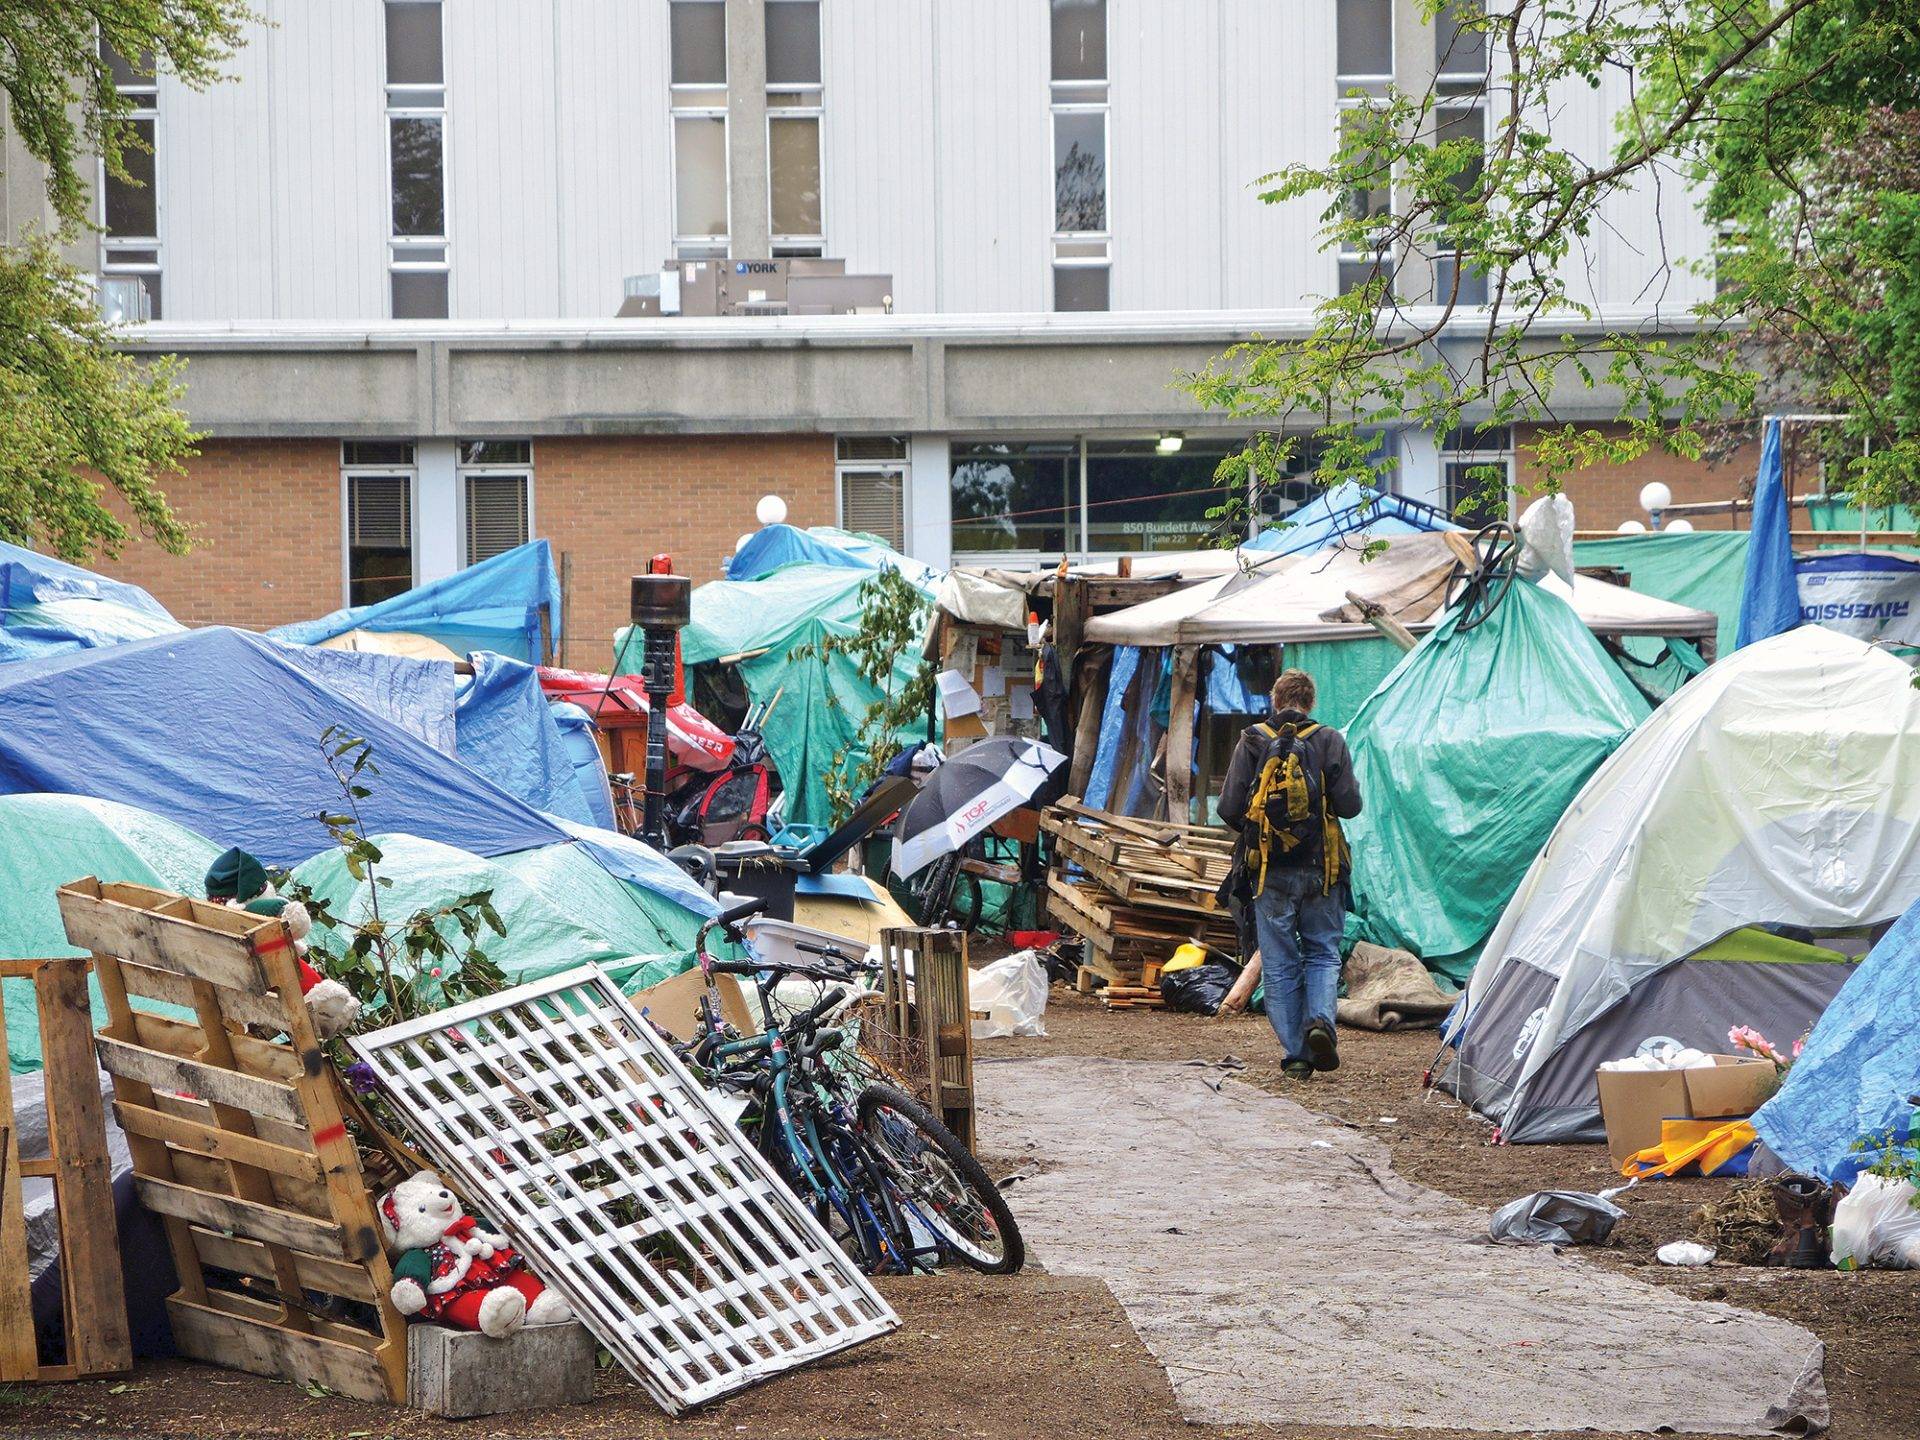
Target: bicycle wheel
{"x":944,"y":1186}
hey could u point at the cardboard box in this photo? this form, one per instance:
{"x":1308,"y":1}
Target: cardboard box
{"x":1634,"y":1102}
{"x":675,"y":1004}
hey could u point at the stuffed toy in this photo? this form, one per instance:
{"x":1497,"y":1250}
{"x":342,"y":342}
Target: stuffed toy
{"x":452,"y":1269}
{"x":240,"y":881}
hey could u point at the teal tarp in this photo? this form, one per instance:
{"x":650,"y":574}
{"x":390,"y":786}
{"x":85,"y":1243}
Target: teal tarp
{"x":1467,"y":755}
{"x":821,"y":704}
{"x":53,"y":840}
{"x":1705,"y":569}
{"x":1345,"y":673}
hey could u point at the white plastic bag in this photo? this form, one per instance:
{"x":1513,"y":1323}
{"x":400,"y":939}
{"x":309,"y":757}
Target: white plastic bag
{"x":1876,"y":1223}
{"x":1013,"y":992}
{"x":1546,"y":539}
{"x":1684,"y":1252}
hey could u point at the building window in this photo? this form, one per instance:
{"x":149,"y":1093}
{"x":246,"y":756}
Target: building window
{"x":1477,"y":470}
{"x":794,"y":107}
{"x":1459,"y":51}
{"x":1082,"y":226}
{"x":1363,"y":51}
{"x":698,"y":96}
{"x":1460,"y":122}
{"x":496,"y":484}
{"x":130,"y":206}
{"x":872,"y":475}
{"x":1085,"y":497}
{"x":416,"y":100}
{"x":378,"y":476}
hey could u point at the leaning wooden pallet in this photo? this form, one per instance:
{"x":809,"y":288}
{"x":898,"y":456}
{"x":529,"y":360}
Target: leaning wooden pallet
{"x":238,"y":1142}
{"x":93,"y":1300}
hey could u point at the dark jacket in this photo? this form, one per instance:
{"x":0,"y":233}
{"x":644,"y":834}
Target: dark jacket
{"x":1327,"y":747}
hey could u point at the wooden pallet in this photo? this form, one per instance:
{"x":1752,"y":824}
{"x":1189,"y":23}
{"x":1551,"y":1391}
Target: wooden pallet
{"x":238,"y":1142}
{"x":93,"y":1300}
{"x":939,"y":1018}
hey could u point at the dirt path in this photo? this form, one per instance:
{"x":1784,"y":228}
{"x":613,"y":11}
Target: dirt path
{"x":1284,"y":1273}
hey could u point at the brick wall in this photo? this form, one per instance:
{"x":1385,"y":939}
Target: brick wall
{"x":1605,"y":495}
{"x":266,"y":522}
{"x":612,"y":503}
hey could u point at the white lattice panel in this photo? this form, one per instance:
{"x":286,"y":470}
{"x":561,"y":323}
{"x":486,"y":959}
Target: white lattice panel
{"x":589,"y":1143}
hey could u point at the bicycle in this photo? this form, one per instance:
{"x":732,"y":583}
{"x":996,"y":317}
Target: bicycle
{"x":893,"y":1185}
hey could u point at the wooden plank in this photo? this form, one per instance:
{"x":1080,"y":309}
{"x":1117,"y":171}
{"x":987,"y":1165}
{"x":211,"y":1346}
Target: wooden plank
{"x":248,"y":1218}
{"x":209,"y":1082}
{"x":216,"y":1143}
{"x":167,"y":931}
{"x":92,"y":1293}
{"x":266,"y":1011}
{"x":19,"y":1357}
{"x":262,"y":1059}
{"x":250,"y":1257}
{"x":243,"y":1343}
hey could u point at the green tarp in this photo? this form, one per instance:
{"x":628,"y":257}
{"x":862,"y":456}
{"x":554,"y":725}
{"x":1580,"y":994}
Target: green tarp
{"x":1345,"y":673}
{"x":560,"y":909}
{"x":1702,"y":568}
{"x":1467,"y":755}
{"x":821,"y":703}
{"x":51,"y":840}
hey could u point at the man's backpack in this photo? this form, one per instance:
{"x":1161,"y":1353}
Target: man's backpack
{"x":1288,"y":806}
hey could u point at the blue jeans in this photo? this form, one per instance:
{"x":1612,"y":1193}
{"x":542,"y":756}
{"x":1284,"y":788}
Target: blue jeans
{"x":1299,"y":932}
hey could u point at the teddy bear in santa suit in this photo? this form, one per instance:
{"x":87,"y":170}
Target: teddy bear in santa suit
{"x":239,"y":881}
{"x":453,"y":1269}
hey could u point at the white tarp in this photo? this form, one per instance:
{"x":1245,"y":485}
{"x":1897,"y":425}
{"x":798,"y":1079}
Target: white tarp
{"x":1782,"y":785}
{"x":1298,"y":597}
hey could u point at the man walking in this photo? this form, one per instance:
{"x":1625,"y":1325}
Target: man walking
{"x":1287,"y":789}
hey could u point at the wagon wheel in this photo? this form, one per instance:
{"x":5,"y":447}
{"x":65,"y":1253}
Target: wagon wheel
{"x":1479,"y":590}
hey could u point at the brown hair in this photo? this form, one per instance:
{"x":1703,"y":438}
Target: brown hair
{"x":1294,"y":691}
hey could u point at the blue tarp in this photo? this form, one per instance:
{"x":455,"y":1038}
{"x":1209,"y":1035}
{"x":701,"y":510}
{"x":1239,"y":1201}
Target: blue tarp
{"x":582,"y":750}
{"x":494,"y":605}
{"x":48,"y":607}
{"x":217,"y":730}
{"x":1770,"y":599}
{"x":773,"y":546}
{"x":416,"y":695}
{"x":1344,"y":510}
{"x":1856,"y":1080}
{"x":507,"y":732}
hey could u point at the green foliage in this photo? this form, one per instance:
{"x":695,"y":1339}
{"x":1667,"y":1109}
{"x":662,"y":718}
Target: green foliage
{"x":1753,"y":100}
{"x":396,"y":969}
{"x":893,"y":621}
{"x":78,"y":419}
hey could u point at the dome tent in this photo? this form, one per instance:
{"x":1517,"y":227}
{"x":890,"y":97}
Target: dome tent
{"x":1780,"y":788}
{"x":1467,"y":754}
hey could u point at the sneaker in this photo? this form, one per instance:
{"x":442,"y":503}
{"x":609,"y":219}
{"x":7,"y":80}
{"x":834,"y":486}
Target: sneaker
{"x":1321,"y":1049}
{"x":1297,"y":1069}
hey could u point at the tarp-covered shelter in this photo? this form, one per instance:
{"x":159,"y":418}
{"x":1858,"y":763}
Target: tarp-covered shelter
{"x":505,"y":729}
{"x":53,"y":840}
{"x":559,"y":908}
{"x":509,"y":604}
{"x":1779,"y":790}
{"x":1468,"y":753}
{"x":1700,"y":569}
{"x":1350,"y":509}
{"x":1857,"y":1079}
{"x":48,"y":607}
{"x":773,"y":547}
{"x":758,"y":625}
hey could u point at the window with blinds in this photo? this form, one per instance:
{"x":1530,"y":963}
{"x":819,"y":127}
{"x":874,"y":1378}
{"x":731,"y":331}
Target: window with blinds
{"x":379,"y":537}
{"x":496,"y":515}
{"x":873,"y":501}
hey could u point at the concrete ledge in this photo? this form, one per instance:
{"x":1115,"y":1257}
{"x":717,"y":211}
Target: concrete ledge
{"x":459,"y":1373}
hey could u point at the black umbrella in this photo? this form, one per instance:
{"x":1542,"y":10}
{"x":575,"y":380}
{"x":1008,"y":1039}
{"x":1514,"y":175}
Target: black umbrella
{"x":967,"y":794}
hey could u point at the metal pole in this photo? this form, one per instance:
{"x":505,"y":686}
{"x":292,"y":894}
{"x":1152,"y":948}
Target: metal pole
{"x":660,"y":607}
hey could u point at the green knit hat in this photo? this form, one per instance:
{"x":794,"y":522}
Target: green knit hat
{"x":236,"y":875}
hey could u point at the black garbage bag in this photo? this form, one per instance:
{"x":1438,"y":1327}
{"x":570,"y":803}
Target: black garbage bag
{"x":1199,"y":989}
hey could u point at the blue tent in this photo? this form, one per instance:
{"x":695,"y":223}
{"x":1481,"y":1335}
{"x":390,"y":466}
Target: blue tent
{"x":774,"y":546}
{"x":1346,"y":510}
{"x":48,"y":607}
{"x":1858,"y":1077}
{"x":217,"y":730}
{"x":496,"y":605}
{"x":506,"y":730}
